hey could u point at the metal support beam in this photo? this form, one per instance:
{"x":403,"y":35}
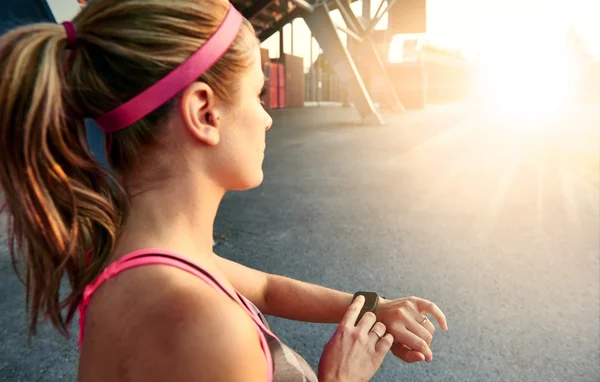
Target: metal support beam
{"x":350,"y":19}
{"x":302,"y":4}
{"x":292,"y":37}
{"x":390,"y":100}
{"x":330,"y":4}
{"x":262,"y":36}
{"x":366,"y":10}
{"x":349,"y":33}
{"x":375,"y":69}
{"x":320,"y":23}
{"x":255,"y":8}
{"x":378,"y":16}
{"x":378,"y":10}
{"x":281,"y":44}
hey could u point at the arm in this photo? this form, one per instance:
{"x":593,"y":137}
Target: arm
{"x":296,"y":300}
{"x":284,"y":297}
{"x":302,"y":301}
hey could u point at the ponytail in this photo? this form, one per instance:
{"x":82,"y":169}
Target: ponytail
{"x":58,"y":198}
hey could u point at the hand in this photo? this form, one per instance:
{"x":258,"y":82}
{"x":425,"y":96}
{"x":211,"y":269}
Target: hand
{"x":355,"y":353}
{"x":402,"y":318}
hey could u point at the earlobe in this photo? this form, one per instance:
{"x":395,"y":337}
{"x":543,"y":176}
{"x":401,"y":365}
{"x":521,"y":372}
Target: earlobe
{"x":209,"y":135}
{"x":198,"y":114}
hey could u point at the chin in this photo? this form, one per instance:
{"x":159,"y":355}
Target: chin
{"x":250,"y":182}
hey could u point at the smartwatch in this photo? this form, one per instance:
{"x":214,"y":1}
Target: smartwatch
{"x":371,"y":300}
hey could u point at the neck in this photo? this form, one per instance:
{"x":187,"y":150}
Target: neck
{"x":178,"y":216}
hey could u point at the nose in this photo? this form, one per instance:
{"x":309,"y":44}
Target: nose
{"x":268,"y":121}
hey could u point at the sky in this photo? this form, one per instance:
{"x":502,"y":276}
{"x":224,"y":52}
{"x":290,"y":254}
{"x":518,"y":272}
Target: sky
{"x":482,"y":26}
{"x":479,"y":28}
{"x":63,"y":10}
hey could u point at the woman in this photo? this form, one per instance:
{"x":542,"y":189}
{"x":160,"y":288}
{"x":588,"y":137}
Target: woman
{"x":175,"y":88}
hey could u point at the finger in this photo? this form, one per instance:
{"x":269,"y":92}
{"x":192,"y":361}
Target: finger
{"x":416,"y":343}
{"x":352,"y":313}
{"x":385,"y":344}
{"x":376,"y":333}
{"x":427,"y":325}
{"x":407,"y":355}
{"x":366,"y":323}
{"x":431,"y":308}
{"x":420,"y":331}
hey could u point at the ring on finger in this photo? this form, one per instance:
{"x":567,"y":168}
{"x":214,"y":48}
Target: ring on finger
{"x":377,"y":334}
{"x":424,"y":320}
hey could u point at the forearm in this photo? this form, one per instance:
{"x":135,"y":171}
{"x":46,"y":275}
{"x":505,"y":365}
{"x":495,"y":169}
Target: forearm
{"x":301,"y":301}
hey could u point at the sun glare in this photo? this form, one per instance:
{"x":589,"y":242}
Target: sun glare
{"x":528,"y":84}
{"x":528,"y":74}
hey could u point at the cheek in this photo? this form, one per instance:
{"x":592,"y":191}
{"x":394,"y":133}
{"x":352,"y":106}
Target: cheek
{"x":245,"y":135}
{"x":255,"y":122}
{"x":238,"y":165}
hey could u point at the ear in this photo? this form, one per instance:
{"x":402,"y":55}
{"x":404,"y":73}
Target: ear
{"x":199,"y":113}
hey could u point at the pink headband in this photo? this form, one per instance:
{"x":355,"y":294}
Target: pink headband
{"x":173,"y":83}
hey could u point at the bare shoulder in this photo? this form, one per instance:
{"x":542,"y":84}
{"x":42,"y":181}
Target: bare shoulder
{"x":166,"y":324}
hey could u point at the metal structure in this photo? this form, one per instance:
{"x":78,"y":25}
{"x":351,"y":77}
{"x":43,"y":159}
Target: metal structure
{"x":269,"y":17}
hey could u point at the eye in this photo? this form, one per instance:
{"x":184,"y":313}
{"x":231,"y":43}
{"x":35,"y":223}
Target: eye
{"x":263,"y":93}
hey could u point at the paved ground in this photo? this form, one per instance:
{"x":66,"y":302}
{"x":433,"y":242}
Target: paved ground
{"x":495,"y":219}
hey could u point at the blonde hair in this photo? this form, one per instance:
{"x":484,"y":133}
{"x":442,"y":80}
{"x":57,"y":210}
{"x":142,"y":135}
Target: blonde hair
{"x":59,"y":200}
